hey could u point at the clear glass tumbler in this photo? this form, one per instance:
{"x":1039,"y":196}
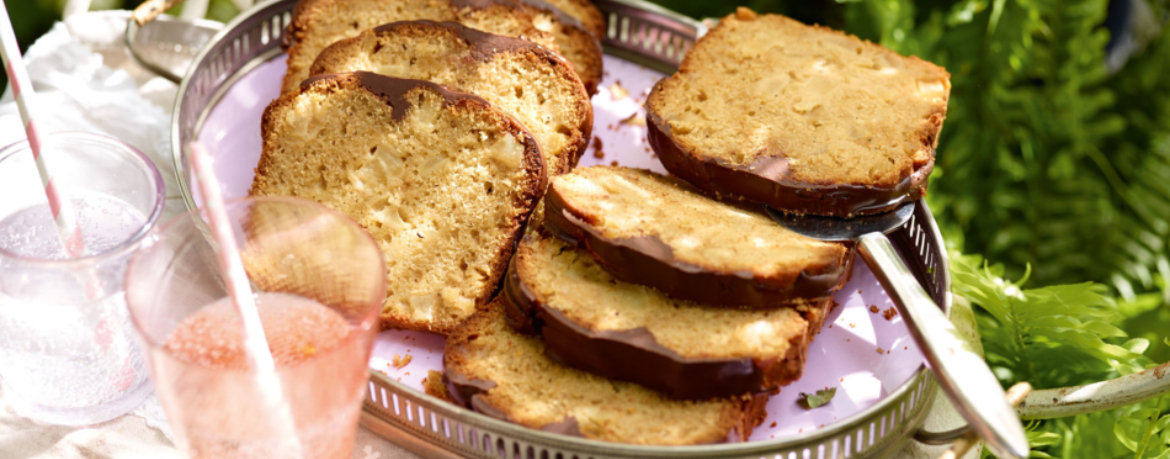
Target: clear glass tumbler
{"x":320,"y":282}
{"x":67,"y":355}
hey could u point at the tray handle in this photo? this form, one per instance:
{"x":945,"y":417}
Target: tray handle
{"x":963,"y":438}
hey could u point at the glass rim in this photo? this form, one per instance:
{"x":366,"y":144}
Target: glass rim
{"x":158,"y":232}
{"x":125,"y":247}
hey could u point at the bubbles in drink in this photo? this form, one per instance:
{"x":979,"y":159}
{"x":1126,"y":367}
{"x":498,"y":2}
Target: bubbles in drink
{"x":296,"y":328}
{"x":202,"y":372}
{"x":67,"y":355}
{"x":105,"y":222}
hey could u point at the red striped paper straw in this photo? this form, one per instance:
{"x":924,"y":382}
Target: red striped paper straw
{"x":236,"y":280}
{"x":22,"y":90}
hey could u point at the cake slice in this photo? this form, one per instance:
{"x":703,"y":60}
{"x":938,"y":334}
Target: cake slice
{"x":574,"y":40}
{"x":503,"y":374}
{"x":442,"y":180}
{"x":316,"y":24}
{"x":530,"y":82}
{"x":653,"y":230}
{"x":802,"y":118}
{"x":585,"y":12}
{"x":630,"y":332}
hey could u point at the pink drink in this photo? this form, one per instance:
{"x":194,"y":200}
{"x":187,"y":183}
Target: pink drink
{"x":202,"y":377}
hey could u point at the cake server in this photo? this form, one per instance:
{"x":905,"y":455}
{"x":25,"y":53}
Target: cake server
{"x":962,"y":373}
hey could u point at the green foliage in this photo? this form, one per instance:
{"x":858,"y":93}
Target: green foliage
{"x":1060,"y":336}
{"x":1052,"y":336}
{"x":1146,"y":432}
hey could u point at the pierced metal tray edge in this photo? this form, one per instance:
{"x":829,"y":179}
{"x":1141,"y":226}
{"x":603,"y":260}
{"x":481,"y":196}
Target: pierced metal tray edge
{"x":646,"y":34}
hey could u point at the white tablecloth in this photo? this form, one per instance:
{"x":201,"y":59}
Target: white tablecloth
{"x":86,"y":81}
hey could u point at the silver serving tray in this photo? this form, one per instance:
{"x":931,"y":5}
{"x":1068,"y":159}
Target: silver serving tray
{"x":639,"y":32}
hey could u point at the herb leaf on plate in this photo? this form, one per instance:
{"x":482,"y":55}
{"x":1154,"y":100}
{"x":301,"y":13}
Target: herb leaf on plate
{"x":821,"y":397}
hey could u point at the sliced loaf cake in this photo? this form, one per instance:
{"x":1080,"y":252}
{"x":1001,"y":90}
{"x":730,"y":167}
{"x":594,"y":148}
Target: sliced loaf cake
{"x":530,"y":82}
{"x":574,"y":40}
{"x":503,"y":374}
{"x":442,"y":180}
{"x":316,"y":24}
{"x":630,"y":332}
{"x":802,"y":118}
{"x":653,"y":230}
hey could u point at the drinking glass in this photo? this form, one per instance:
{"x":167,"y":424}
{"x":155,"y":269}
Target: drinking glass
{"x":67,"y":355}
{"x":297,"y":252}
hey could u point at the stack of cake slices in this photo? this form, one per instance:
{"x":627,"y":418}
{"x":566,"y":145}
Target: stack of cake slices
{"x":437,"y":137}
{"x":642,"y":302}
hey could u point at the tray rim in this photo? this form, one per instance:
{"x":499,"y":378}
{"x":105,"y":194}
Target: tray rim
{"x":921,"y":378}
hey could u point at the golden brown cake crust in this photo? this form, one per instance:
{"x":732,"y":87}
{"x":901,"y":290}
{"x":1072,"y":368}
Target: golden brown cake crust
{"x":520,"y":184}
{"x":535,"y":85}
{"x":584,"y":11}
{"x":500,"y":373}
{"x":654,"y":230}
{"x":316,"y":24}
{"x":574,"y":40}
{"x":849,"y":128}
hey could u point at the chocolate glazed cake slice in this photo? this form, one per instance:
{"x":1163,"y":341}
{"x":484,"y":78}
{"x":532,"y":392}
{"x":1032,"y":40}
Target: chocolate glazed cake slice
{"x":805,"y":119}
{"x":528,"y":81}
{"x":443,"y":181}
{"x":653,"y":230}
{"x":631,"y":332}
{"x":498,"y":372}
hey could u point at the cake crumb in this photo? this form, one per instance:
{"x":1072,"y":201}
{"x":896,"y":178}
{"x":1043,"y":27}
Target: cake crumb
{"x":890,"y":313}
{"x":880,"y":351}
{"x":874,"y":309}
{"x":773,"y":425}
{"x":852,"y":325}
{"x":637,"y":119}
{"x":597,"y":153}
{"x":613,"y":163}
{"x":401,"y":361}
{"x":617,"y":92}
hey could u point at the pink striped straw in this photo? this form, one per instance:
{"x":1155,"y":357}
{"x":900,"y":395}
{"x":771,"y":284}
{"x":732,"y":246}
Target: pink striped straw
{"x":22,"y":90}
{"x":239,"y":289}
{"x":228,"y":254}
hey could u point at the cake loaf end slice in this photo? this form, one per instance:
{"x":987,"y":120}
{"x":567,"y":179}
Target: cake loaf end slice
{"x":506,"y":375}
{"x":442,"y":180}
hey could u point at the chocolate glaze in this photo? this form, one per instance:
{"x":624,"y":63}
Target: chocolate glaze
{"x":483,"y":44}
{"x":566,"y":426}
{"x":394,"y":90}
{"x":634,"y":355}
{"x":647,"y":260}
{"x":766,"y":181}
{"x":482,"y":4}
{"x":469,"y":391}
